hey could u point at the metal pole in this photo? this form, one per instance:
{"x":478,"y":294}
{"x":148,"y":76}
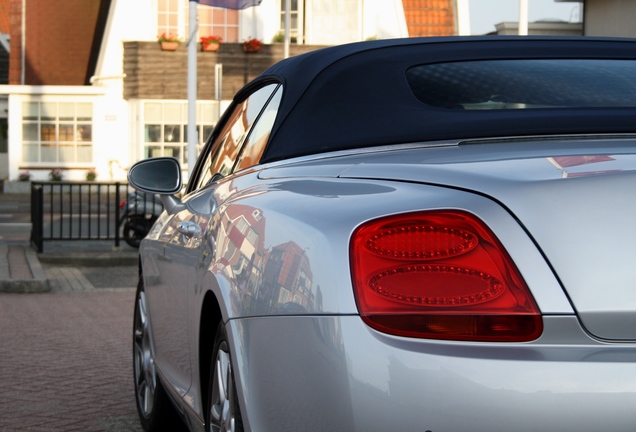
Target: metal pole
{"x":287,"y":27}
{"x":218,"y":86}
{"x":523,"y":17}
{"x":193,"y":136}
{"x":117,"y":215}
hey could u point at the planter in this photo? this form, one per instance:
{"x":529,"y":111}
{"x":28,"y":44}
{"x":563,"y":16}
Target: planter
{"x":249,"y":49}
{"x":210,"y":47}
{"x":169,"y":46}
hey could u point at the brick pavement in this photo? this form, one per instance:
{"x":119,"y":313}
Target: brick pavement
{"x":66,"y":360}
{"x":65,"y":355}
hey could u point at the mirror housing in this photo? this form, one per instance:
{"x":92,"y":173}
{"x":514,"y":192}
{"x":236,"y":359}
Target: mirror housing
{"x":160,"y":175}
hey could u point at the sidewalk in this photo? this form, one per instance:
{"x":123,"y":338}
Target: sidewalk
{"x":22,"y":269}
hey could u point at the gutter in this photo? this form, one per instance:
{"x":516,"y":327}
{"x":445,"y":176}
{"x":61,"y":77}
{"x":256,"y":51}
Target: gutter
{"x":96,"y":78}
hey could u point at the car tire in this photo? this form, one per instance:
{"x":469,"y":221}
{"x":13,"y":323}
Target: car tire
{"x":223,"y":411}
{"x":153,"y":406}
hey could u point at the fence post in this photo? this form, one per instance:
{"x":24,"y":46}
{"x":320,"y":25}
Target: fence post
{"x":117,"y":200}
{"x":37,"y":218}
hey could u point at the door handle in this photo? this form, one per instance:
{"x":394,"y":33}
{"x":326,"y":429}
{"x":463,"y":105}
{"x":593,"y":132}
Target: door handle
{"x":189,"y":229}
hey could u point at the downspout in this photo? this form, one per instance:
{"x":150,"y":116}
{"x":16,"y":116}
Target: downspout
{"x":23,"y":53}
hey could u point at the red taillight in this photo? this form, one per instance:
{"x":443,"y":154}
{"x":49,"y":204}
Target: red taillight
{"x":123,"y":204}
{"x":440,"y":275}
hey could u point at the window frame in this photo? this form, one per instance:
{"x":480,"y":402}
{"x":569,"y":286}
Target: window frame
{"x":215,"y":142}
{"x":61,"y":143}
{"x":297,"y":13}
{"x":208,"y":20}
{"x":205,"y":126}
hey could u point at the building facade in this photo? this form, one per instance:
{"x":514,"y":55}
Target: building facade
{"x":89,"y":89}
{"x":609,"y":18}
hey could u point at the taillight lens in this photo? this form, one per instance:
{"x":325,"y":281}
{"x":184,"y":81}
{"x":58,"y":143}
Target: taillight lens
{"x":440,"y":275}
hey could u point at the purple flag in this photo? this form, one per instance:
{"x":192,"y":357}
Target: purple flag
{"x":231,"y":4}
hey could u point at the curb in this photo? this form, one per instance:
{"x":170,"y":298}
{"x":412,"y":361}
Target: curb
{"x":37,"y":284}
{"x":90,"y":259}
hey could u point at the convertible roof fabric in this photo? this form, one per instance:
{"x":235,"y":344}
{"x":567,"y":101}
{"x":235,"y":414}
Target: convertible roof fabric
{"x":357,"y":95}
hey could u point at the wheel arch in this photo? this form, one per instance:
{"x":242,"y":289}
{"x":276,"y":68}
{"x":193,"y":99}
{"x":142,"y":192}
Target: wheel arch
{"x":210,"y":318}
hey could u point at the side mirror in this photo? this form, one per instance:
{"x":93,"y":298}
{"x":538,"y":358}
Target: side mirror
{"x":161,"y":175}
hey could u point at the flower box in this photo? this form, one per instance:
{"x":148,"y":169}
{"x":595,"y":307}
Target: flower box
{"x":210,"y":47}
{"x":252,"y":45}
{"x":211,"y":43}
{"x":169,"y":42}
{"x":169,"y":46}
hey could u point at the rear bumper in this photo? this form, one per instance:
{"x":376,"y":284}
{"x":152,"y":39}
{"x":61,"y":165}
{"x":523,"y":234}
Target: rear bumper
{"x":335,"y":373}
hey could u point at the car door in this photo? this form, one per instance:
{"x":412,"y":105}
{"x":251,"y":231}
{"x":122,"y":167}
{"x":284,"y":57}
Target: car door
{"x":178,"y":251}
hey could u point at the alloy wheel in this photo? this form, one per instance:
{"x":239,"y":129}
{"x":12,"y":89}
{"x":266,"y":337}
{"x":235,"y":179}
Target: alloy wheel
{"x":144,"y":364}
{"x":222,"y":406}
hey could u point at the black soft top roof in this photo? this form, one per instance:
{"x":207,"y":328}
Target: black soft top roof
{"x":357,"y":95}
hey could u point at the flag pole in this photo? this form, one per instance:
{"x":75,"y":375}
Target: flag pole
{"x":193,"y":134}
{"x":523,"y":17}
{"x":191,"y":128}
{"x":287,"y":27}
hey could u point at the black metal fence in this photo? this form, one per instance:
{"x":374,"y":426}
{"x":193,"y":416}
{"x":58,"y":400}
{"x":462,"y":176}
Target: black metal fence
{"x":76,"y":211}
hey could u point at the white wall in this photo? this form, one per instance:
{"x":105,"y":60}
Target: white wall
{"x":127,"y":21}
{"x":261,"y":22}
{"x":610,"y":18}
{"x":384,"y":19}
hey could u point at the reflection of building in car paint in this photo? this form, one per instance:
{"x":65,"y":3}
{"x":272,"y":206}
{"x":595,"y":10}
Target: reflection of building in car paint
{"x":288,"y":275}
{"x":240,"y":247}
{"x":265,"y":278}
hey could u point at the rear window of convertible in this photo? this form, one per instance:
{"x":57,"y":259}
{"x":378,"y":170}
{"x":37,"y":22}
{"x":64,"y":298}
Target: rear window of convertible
{"x":525,"y":84}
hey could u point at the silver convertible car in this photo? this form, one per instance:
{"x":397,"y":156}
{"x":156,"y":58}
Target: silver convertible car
{"x":420,"y":235}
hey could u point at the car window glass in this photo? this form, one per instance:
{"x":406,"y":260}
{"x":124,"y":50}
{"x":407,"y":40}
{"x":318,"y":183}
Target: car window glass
{"x":525,"y":84}
{"x":258,"y":137}
{"x":220,"y":161}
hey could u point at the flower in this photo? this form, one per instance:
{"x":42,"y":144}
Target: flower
{"x":91,"y":175}
{"x":24,"y":176}
{"x":207,"y":40}
{"x":56,"y":174}
{"x":252,"y":45}
{"x":163,"y":37}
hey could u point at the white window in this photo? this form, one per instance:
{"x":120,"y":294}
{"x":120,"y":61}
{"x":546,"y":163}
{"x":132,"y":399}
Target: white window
{"x":173,"y":18}
{"x":58,"y":133}
{"x":219,"y":22}
{"x":295,"y":24}
{"x":165,"y":127}
{"x":168,"y":20}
